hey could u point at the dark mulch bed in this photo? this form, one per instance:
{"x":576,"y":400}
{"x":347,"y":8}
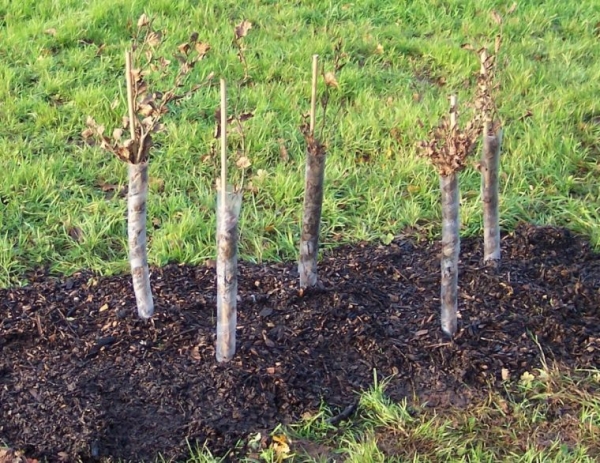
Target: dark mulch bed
{"x":81,"y":376}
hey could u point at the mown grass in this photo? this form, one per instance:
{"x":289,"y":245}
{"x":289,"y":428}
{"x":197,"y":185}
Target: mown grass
{"x":545,"y":416}
{"x":62,"y":60}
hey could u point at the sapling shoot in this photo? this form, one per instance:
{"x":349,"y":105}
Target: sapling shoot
{"x":228,"y":211}
{"x":313,"y":194}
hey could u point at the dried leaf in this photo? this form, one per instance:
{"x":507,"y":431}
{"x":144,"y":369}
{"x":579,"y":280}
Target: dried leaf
{"x":512,"y":8}
{"x":75,"y":233}
{"x":50,"y":31}
{"x":467,"y":46}
{"x":117,"y":134}
{"x":244,"y":116}
{"x":88,"y":133}
{"x":283,"y":152}
{"x":243,"y":162}
{"x":330,"y":80}
{"x":184,"y":48}
{"x":379,"y":49}
{"x":143,"y":21}
{"x":154,"y":39}
{"x":281,"y":447}
{"x":241,"y":30}
{"x":496,"y":17}
{"x":202,"y":49}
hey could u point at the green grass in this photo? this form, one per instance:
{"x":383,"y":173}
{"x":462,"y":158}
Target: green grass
{"x":62,"y":60}
{"x":546,"y":416}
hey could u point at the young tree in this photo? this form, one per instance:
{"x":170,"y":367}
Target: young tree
{"x":490,"y":159}
{"x":448,"y":147}
{"x":145,"y":111}
{"x":313,"y":193}
{"x":228,"y":211}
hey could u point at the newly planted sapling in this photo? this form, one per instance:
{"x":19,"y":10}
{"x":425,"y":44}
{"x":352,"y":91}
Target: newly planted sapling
{"x":145,"y":111}
{"x":315,"y":174}
{"x":448,"y":147}
{"x":313,"y":192}
{"x":229,"y":203}
{"x":490,"y":159}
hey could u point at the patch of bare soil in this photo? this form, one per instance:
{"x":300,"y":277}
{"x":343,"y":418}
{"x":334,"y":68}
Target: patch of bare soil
{"x":82,"y":377}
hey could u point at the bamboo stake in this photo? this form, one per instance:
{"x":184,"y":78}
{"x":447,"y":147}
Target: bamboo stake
{"x":223,"y":143}
{"x":313,"y":95}
{"x":313,"y":195}
{"x":450,"y":241}
{"x":130,"y":102}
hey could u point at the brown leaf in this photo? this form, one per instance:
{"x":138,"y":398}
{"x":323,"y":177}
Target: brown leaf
{"x":146,"y":109}
{"x":283,"y":152}
{"x":244,"y":116}
{"x":154,"y":39}
{"x":241,"y":30}
{"x":117,"y":134}
{"x":467,"y":46}
{"x":184,"y":48}
{"x":202,"y":49}
{"x":88,"y":133}
{"x":330,"y":80}
{"x":50,"y":31}
{"x":243,"y":162}
{"x":497,"y":44}
{"x":143,"y":21}
{"x":496,"y":17}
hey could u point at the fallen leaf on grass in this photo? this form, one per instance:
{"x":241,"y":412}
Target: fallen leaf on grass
{"x":330,"y":80}
{"x":241,"y":30}
{"x":281,"y":447}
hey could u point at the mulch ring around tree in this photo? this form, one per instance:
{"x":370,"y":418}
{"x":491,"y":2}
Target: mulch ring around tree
{"x":82,"y":377}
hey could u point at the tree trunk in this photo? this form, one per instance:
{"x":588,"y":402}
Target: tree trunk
{"x":450,"y":252}
{"x":227,"y":237}
{"x":311,"y":219}
{"x":490,"y":162}
{"x":136,"y":228}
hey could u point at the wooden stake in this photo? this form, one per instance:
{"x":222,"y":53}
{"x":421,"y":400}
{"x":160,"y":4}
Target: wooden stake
{"x":130,"y":97}
{"x":313,"y":96}
{"x":453,"y":111}
{"x":223,"y":191}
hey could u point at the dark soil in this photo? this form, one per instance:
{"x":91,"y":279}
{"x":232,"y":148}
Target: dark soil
{"x":82,"y":377}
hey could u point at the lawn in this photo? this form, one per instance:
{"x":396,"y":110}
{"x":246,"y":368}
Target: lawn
{"x":62,"y":199}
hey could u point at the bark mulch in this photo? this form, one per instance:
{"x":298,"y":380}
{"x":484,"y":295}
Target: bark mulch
{"x":82,"y":377}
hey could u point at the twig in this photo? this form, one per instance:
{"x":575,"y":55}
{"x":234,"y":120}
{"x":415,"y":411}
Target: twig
{"x":130,"y":91}
{"x":313,"y":99}
{"x":344,"y":415}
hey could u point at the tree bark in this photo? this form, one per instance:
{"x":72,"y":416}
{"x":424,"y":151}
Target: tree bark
{"x":227,"y":237}
{"x":450,"y":252}
{"x":311,"y":219}
{"x":136,"y":228}
{"x":490,"y":164}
